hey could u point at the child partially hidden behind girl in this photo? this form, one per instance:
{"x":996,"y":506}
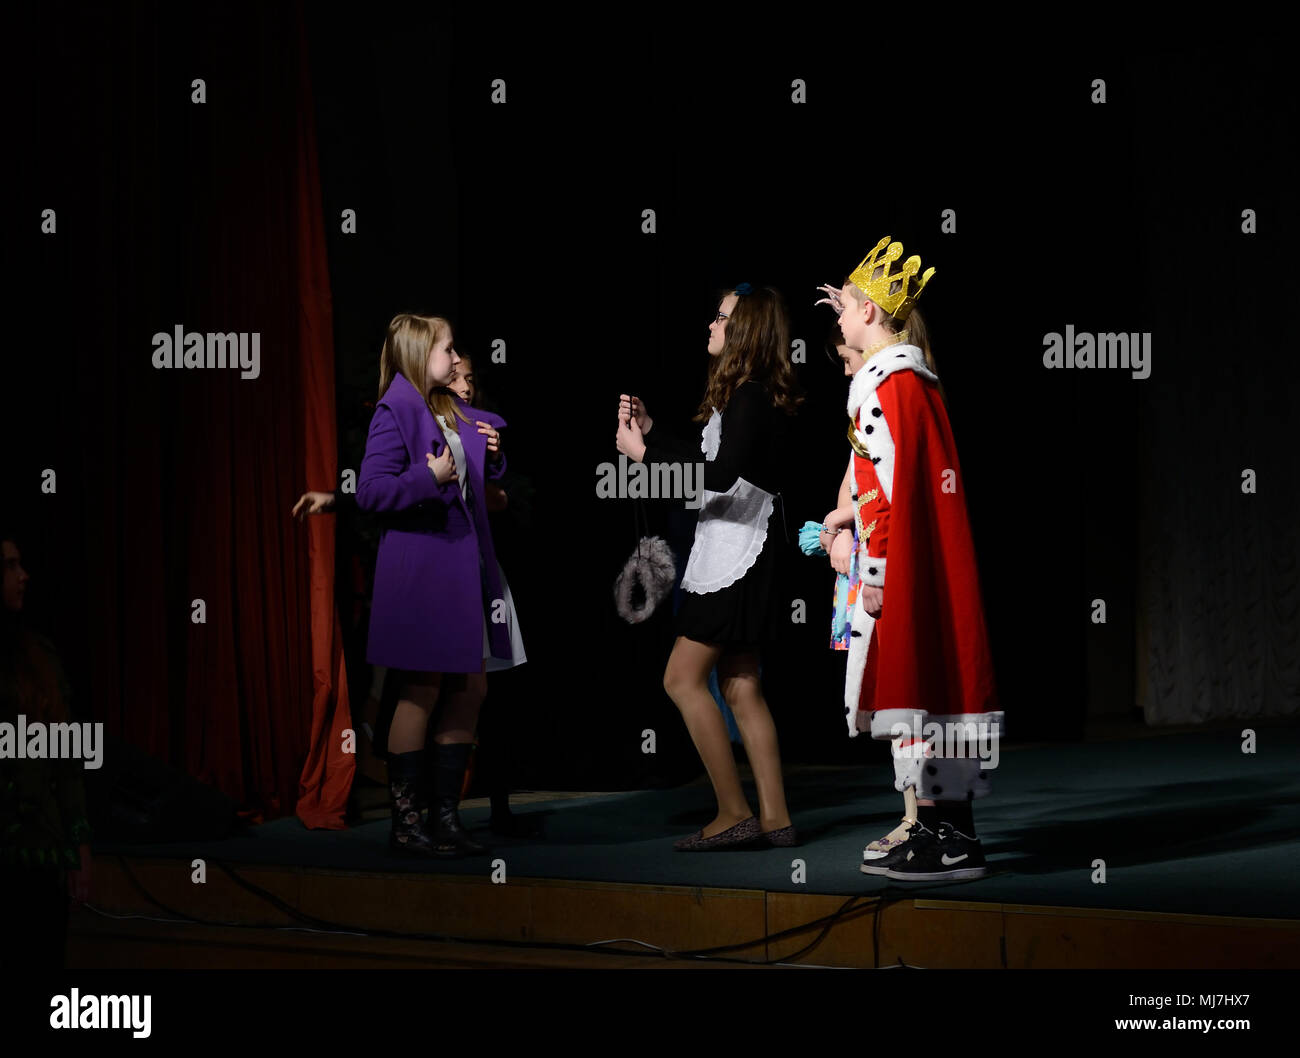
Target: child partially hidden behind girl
{"x":437,"y":582}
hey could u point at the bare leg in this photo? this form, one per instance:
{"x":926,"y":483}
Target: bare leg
{"x":367,"y":763}
{"x":410,"y":723}
{"x":738,"y":678}
{"x":462,"y":694}
{"x":899,"y":834}
{"x":686,"y":679}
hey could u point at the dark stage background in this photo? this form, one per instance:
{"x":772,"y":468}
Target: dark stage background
{"x":522,"y":223}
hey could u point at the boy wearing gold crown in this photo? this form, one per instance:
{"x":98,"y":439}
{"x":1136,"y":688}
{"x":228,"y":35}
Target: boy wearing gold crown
{"x":920,"y":673}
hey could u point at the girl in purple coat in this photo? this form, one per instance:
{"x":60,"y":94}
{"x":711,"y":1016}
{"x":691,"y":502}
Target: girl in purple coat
{"x":439,"y":607}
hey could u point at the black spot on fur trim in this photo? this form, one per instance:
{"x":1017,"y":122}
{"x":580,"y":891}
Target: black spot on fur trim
{"x":877,"y":412}
{"x":868,"y":428}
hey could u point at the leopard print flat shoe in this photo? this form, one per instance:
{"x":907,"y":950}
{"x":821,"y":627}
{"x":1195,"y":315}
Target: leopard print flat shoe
{"x":745,"y":832}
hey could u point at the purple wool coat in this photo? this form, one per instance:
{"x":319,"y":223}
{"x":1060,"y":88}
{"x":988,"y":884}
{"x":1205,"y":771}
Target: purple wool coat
{"x":428,"y":607}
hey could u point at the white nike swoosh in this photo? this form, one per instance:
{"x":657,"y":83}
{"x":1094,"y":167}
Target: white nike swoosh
{"x":947,"y":862}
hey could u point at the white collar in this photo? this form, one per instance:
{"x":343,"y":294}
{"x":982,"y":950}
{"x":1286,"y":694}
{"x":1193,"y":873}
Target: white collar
{"x":880,"y":366}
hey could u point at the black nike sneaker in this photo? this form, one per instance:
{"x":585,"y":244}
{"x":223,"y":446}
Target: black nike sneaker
{"x":951,"y":856}
{"x":919,"y":837}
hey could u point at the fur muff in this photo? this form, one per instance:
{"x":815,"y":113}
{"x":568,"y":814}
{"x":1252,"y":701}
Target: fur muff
{"x":654,"y":568}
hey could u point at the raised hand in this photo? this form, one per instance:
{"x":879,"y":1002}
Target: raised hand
{"x":631,"y":408}
{"x":832,"y":298}
{"x":628,"y":440}
{"x":493,"y":437}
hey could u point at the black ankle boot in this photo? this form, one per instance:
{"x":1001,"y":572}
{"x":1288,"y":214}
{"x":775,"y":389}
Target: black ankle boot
{"x":448,"y":835}
{"x":408,"y":833}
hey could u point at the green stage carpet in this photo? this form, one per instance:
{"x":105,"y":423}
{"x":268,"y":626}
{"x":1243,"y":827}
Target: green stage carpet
{"x":1185,"y":823}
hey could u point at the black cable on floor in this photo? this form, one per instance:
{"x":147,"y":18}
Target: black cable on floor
{"x":712,"y":954}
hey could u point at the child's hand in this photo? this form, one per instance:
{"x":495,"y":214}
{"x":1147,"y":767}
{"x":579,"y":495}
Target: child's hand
{"x":495,"y":497}
{"x":493,"y":438}
{"x":628,"y":439}
{"x":842,"y":553}
{"x":632,"y":408}
{"x":837,"y":518}
{"x":444,"y":466}
{"x":312,"y":503}
{"x":832,"y":298}
{"x":873,"y":599}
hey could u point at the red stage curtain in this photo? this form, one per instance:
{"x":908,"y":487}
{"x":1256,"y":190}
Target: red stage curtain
{"x":175,"y":485}
{"x":328,"y":771}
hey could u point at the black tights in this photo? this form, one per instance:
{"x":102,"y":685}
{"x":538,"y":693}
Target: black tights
{"x":957,"y":814}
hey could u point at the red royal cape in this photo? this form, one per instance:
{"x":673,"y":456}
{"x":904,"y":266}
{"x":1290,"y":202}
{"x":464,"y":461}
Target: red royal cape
{"x":928,"y":652}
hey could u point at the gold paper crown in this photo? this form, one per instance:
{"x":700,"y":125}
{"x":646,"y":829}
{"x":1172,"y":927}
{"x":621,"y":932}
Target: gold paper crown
{"x":897,"y":305}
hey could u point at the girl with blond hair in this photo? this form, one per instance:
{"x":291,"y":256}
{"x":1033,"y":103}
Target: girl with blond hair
{"x":438,"y":593}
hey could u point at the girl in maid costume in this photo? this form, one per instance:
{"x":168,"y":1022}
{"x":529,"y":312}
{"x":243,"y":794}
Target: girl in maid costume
{"x":918,"y":647}
{"x":732,"y":605}
{"x":437,"y":587}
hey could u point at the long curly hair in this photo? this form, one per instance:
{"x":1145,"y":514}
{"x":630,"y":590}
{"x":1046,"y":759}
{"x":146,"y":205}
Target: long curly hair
{"x":756,"y":346}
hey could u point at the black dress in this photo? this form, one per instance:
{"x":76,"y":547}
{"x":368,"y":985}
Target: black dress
{"x":734,"y":582}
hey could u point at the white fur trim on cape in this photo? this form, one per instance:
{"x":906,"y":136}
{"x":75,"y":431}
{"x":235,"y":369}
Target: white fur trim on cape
{"x":908,"y":763}
{"x":861,"y":628}
{"x":881,"y":365}
{"x":872,"y":570}
{"x":951,"y":779}
{"x":654,"y":566}
{"x":926,"y":769}
{"x":871,"y":428}
{"x":881,"y":722}
{"x":874,"y":435}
